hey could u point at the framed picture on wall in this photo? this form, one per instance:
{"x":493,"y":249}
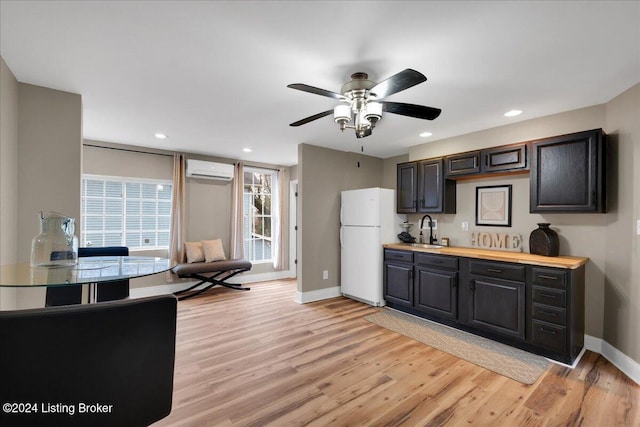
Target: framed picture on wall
{"x":493,"y":205}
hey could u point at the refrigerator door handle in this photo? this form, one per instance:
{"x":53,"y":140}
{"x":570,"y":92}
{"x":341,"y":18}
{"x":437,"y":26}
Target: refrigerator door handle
{"x":341,"y":208}
{"x":341,"y":245}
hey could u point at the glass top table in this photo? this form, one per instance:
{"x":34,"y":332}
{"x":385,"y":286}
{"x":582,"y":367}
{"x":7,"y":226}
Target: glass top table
{"x":87,"y":270}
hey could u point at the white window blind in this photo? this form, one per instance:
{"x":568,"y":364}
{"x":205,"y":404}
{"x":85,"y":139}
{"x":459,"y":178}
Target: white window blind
{"x":119,"y":211}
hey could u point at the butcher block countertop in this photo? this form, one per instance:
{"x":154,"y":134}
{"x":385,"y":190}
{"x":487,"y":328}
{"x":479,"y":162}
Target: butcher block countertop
{"x":568,"y":262}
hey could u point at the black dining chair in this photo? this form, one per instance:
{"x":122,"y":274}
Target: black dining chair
{"x":63,"y":295}
{"x":103,"y":364}
{"x":111,"y":291}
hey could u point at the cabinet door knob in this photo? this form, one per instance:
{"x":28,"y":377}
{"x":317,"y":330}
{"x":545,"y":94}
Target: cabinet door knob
{"x":472,"y":285}
{"x":544,"y":276}
{"x":494,"y":270}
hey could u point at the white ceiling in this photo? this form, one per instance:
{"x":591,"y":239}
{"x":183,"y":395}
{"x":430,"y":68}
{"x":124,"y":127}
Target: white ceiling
{"x":213,"y":75}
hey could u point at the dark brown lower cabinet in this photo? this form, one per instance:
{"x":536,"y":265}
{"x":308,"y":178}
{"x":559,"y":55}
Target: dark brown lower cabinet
{"x":436,"y":292}
{"x":497,"y":305}
{"x":538,"y":309}
{"x":398,"y":283}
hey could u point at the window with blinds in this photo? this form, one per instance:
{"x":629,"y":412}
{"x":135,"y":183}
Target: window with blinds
{"x":119,"y":211}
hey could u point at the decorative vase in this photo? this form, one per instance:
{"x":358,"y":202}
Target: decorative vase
{"x":56,"y":245}
{"x":544,"y":241}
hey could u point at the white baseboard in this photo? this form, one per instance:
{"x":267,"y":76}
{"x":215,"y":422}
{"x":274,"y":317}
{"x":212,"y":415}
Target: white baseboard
{"x":575,"y":362}
{"x":317,"y":295}
{"x":627,"y":365}
{"x":261,"y":277}
{"x":593,"y":344}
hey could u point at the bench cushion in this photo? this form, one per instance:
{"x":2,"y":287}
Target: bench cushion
{"x":211,"y":267}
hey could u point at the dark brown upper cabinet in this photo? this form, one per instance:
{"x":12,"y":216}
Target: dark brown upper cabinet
{"x":422,"y":187}
{"x":503,"y":159}
{"x":568,"y":173}
{"x":506,"y":158}
{"x":463,"y":164}
{"x":407,"y":187}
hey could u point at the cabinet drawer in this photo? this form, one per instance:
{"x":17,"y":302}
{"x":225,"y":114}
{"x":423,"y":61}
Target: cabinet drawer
{"x":393,"y":255}
{"x":447,"y":262}
{"x":549,"y":336}
{"x":549,"y":296}
{"x":498,"y":270}
{"x":548,"y":277}
{"x":549,"y":314}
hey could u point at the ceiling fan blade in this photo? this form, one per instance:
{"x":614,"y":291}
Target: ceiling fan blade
{"x":398,"y":82}
{"x":311,"y":89}
{"x":411,"y":110}
{"x":312,"y":118}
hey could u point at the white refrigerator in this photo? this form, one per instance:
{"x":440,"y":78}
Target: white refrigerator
{"x":368,"y":219}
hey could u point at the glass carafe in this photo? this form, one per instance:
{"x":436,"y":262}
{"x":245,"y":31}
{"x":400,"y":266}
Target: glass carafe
{"x":56,"y":245}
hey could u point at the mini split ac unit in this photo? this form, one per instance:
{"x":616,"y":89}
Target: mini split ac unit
{"x":209,"y":170}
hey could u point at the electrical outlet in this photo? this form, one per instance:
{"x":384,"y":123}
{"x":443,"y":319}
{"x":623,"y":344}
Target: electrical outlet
{"x":465,"y":225}
{"x":325,"y":275}
{"x":434,"y":223}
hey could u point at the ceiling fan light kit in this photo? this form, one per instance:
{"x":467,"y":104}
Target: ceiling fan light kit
{"x":362,"y":101}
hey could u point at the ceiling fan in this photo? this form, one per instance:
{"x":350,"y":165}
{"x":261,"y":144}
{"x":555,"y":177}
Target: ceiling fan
{"x":362,"y":101}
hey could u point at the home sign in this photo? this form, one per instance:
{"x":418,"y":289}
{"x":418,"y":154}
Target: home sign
{"x":503,"y":241}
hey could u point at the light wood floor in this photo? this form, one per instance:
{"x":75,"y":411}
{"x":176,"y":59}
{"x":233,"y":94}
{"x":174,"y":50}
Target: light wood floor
{"x":258,"y":358}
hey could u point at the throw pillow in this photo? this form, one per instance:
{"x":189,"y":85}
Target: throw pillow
{"x":194,"y":252}
{"x":213,"y":250}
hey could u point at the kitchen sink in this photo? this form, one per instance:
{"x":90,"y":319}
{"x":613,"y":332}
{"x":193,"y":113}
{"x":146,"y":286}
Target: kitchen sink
{"x":426,"y":246}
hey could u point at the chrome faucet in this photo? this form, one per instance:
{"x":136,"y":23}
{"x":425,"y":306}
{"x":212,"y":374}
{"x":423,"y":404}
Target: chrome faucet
{"x":432,"y":240}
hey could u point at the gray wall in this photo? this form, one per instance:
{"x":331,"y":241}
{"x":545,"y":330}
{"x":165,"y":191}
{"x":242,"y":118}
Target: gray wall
{"x":49,"y":158}
{"x":621,"y":311}
{"x":609,"y":240}
{"x":322,"y":174}
{"x":101,"y":158}
{"x":40,"y":169}
{"x":8,"y":177}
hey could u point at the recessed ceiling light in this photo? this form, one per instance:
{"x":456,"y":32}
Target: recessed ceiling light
{"x":512,"y":113}
{"x":247,"y":150}
{"x":426,"y":134}
{"x":160,"y":135}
